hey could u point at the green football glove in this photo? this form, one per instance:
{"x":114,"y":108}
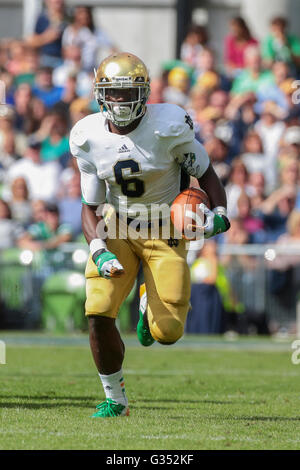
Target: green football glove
{"x":107,"y":264}
{"x":214,"y":223}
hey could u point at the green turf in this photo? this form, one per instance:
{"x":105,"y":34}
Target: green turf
{"x":217,"y":397}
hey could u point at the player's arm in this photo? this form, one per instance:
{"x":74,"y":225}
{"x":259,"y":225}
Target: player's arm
{"x":94,"y":194}
{"x":194,"y":160}
{"x":216,"y":220}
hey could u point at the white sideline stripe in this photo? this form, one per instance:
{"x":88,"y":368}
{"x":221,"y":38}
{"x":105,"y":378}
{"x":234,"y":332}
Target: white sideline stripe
{"x":166,"y":372}
{"x":197,"y":437}
{"x":158,"y":372}
{"x":191,"y":437}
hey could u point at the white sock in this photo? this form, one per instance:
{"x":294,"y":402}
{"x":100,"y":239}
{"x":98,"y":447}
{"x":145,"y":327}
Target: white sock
{"x":143,"y":303}
{"x":114,"y":387}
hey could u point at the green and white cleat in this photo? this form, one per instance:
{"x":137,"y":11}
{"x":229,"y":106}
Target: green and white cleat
{"x":110,"y":409}
{"x":143,"y":332}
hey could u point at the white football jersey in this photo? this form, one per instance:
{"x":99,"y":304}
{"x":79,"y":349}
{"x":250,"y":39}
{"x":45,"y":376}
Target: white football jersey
{"x":141,"y":167}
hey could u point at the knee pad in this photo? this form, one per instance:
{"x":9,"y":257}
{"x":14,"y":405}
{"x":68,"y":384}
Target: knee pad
{"x":167,"y":330}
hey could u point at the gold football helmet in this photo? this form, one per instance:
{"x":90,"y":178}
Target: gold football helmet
{"x":122,"y":87}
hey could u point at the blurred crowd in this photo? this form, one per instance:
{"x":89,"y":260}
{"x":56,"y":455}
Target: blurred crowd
{"x":48,"y":81}
{"x":245,"y":112}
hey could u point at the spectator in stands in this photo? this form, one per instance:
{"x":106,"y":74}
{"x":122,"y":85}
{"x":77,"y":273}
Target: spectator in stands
{"x":218,"y":151}
{"x":44,"y":89}
{"x":257,"y":182}
{"x":207,"y":126}
{"x":198,"y":101}
{"x":219,"y":100}
{"x":3,"y":53}
{"x":22,"y":98}
{"x":195,"y":40}
{"x":253,"y":78}
{"x":236,"y":43}
{"x":178,"y":86}
{"x":283,"y":282}
{"x":70,"y":205}
{"x":257,"y":161}
{"x":237,"y":235}
{"x":291,"y":140}
{"x":7,"y":154}
{"x":242,"y":116}
{"x":9,"y":228}
{"x":7,"y":120}
{"x":53,"y":136}
{"x":47,"y":36}
{"x":7,"y":84}
{"x":71,"y":66}
{"x":276,"y":209}
{"x":206,"y":313}
{"x":291,"y":95}
{"x":82,"y":33}
{"x":206,"y":74}
{"x":19,"y":202}
{"x":78,"y":34}
{"x":293,"y":233}
{"x":289,"y":171}
{"x":66,"y":177}
{"x":36,"y":115}
{"x":253,"y":156}
{"x":238,"y":183}
{"x":281,"y":45}
{"x":79,"y":109}
{"x":250,"y":222}
{"x":48,"y":234}
{"x":69,"y":97}
{"x":276,"y":92}
{"x":41,"y":177}
{"x":38,"y":209}
{"x":32,"y":64}
{"x":16,"y":64}
{"x":270,"y":128}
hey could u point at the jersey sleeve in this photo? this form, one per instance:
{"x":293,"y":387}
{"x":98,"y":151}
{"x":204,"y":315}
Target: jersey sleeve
{"x":192,"y":157}
{"x":93,"y":189}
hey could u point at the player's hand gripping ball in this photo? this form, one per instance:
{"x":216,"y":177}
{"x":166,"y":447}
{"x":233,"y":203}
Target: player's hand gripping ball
{"x":186,"y":215}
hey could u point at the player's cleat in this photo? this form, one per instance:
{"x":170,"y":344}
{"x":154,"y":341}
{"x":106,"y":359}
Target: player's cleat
{"x":110,"y":409}
{"x":142,"y":329}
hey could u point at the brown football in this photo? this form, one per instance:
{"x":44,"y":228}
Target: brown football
{"x":186,"y":216}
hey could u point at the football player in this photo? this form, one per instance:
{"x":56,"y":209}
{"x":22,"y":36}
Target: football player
{"x":129,"y":153}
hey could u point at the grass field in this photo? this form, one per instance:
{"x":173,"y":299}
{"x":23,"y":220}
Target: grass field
{"x":205,"y":393}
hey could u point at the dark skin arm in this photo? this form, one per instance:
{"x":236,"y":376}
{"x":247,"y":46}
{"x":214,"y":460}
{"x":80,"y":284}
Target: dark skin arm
{"x":89,"y":221}
{"x":213,"y":187}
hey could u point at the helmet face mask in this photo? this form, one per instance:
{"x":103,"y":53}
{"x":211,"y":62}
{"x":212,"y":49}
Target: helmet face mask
{"x":122,"y":87}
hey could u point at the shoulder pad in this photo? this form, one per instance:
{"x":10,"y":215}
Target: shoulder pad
{"x":78,"y":141}
{"x":79,"y":138}
{"x":172,"y":121}
{"x":170,"y":129}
